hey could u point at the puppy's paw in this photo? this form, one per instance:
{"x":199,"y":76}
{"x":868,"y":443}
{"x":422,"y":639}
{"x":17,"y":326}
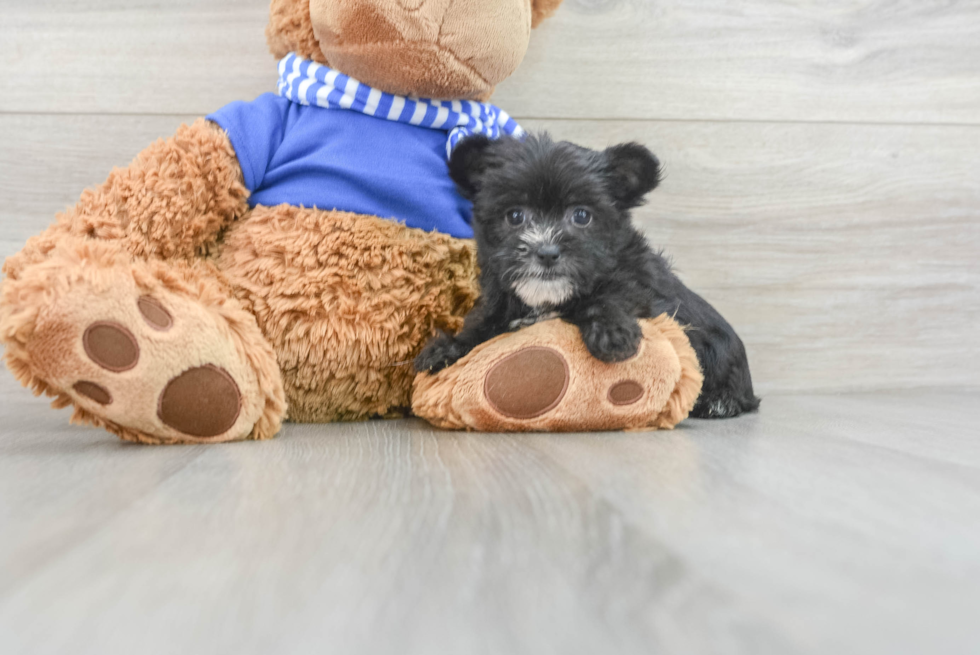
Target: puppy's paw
{"x":612,"y":342}
{"x":722,"y":404}
{"x":440,"y":353}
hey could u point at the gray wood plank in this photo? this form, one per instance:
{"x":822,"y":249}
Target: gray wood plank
{"x":808,"y":501}
{"x":848,"y":257}
{"x":47,"y":161}
{"x":842,"y":60}
{"x":148,"y":57}
{"x":54,"y":496}
{"x":837,"y":60}
{"x":822,"y":201}
{"x":61,"y":483}
{"x":820,"y":525}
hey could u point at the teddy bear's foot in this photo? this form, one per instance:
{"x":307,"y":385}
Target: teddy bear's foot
{"x":154,"y":352}
{"x":542,"y":378}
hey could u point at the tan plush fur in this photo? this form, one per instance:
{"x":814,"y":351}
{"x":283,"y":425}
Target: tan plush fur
{"x":448,"y":49}
{"x":688,"y":386}
{"x":665,"y":366}
{"x":347,"y":301}
{"x":451,"y":49}
{"x":290,"y":30}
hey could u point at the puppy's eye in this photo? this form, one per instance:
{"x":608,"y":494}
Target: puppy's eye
{"x":581,"y":217}
{"x":516,"y":217}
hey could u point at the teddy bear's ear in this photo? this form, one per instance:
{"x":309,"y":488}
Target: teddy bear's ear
{"x":290,"y":29}
{"x":468,"y":163}
{"x":632,"y":171}
{"x":541,"y":9}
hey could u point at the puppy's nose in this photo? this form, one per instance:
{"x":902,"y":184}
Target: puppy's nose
{"x":549,"y":254}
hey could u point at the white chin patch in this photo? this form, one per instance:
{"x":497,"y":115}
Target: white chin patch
{"x":540,"y":293}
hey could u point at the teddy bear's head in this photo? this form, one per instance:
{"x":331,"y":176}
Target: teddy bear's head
{"x":443,"y":49}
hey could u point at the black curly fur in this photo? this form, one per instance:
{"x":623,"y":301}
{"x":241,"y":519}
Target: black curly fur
{"x":601,"y":276}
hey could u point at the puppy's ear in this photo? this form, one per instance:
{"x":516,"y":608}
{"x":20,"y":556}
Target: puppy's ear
{"x":632,"y":172}
{"x":468,"y":163}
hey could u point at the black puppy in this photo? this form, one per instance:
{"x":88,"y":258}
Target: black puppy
{"x":554,"y":239}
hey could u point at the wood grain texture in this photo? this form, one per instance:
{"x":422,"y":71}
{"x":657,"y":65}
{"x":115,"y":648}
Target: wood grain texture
{"x":47,"y":161}
{"x":840,"y":60}
{"x":821,"y":525}
{"x":847,"y":256}
{"x":143,"y":57}
{"x":797,"y":60}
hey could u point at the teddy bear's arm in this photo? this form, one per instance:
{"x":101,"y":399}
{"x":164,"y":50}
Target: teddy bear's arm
{"x":172,"y":201}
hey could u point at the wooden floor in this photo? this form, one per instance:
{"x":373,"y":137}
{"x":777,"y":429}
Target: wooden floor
{"x":822,"y":191}
{"x":824,"y":524}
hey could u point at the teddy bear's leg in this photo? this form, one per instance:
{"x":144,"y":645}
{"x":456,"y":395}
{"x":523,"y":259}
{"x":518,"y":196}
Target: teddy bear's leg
{"x":542,"y":378}
{"x":152,"y":350}
{"x":347,"y":302}
{"x":113,"y":309}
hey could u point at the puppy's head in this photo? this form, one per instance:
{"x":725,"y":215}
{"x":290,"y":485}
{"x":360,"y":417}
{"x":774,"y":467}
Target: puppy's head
{"x":549,"y":217}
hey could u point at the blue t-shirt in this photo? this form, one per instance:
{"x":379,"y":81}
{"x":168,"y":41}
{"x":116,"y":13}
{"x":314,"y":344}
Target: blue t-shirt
{"x":336,"y":159}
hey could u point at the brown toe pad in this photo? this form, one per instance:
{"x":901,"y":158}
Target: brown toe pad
{"x":626,"y":392}
{"x":527,"y":383}
{"x":111,"y":346}
{"x":201,"y":402}
{"x":154,"y":313}
{"x":93,"y":391}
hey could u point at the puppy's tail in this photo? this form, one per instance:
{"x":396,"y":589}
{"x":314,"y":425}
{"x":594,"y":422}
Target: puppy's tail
{"x":750,"y":403}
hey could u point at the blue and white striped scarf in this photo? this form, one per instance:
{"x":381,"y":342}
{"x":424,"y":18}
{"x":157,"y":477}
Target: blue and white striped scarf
{"x":310,"y":83}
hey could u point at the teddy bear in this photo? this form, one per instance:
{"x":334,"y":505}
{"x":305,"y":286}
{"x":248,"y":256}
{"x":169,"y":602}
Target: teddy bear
{"x":288,"y":257}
